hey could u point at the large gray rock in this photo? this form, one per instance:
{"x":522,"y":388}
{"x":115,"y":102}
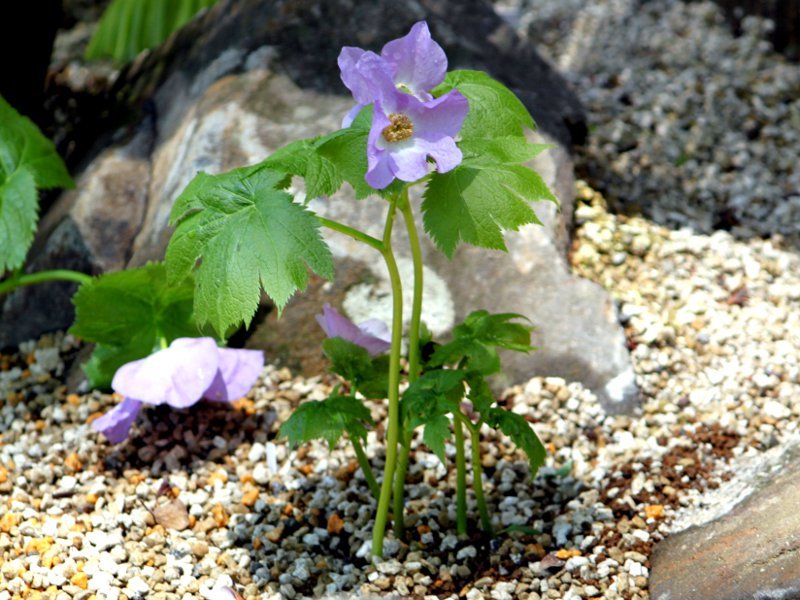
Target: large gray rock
{"x":219,"y":100}
{"x":745,"y":544}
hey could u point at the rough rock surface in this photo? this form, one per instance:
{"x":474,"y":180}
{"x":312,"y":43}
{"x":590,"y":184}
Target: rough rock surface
{"x":752,"y":551}
{"x":232,"y":97}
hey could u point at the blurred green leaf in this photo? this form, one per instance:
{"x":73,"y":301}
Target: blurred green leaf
{"x":129,"y":26}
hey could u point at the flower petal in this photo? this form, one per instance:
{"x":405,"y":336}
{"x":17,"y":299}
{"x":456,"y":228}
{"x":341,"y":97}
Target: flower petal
{"x":177,"y":375}
{"x":117,"y":422}
{"x":365,"y":74}
{"x":351,"y":116}
{"x":336,"y":324}
{"x":409,"y":163}
{"x":444,"y":151}
{"x":442,"y":116}
{"x":238,"y":371}
{"x":419,"y":63}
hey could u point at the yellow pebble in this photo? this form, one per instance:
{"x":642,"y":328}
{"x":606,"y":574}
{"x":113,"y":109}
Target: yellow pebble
{"x":81,"y":580}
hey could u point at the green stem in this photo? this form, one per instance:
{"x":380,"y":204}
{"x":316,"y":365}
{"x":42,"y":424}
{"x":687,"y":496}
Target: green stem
{"x":477,"y":477}
{"x":20,"y":280}
{"x":461,"y":479}
{"x":353,"y":233}
{"x":366,"y":468}
{"x":416,"y":304}
{"x":413,"y":355}
{"x":393,"y":428}
{"x":400,"y":484}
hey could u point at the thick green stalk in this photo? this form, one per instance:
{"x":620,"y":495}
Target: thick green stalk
{"x":393,"y":428}
{"x":461,"y":479}
{"x":413,"y":356}
{"x":477,"y":477}
{"x":352,"y":232}
{"x":366,"y":468}
{"x":18,"y":281}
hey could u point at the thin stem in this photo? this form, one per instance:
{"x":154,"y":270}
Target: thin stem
{"x":366,"y":468}
{"x":416,"y":304}
{"x":352,"y":232}
{"x":461,"y":480}
{"x":393,"y":429}
{"x":413,"y":356}
{"x":400,"y":484}
{"x":477,"y":481}
{"x":19,"y":280}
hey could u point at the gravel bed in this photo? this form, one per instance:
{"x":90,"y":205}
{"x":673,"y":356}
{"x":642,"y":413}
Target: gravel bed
{"x":688,"y":124}
{"x":711,"y":325}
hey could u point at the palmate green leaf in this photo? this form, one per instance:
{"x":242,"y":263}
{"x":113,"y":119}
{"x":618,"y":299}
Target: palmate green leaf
{"x":129,"y":26}
{"x":327,"y":419}
{"x":127,"y":314}
{"x":369,"y":375}
{"x":521,"y":433}
{"x":22,"y":145}
{"x":18,"y":216}
{"x":328,"y":161}
{"x":478,"y":200}
{"x":28,"y":161}
{"x":494,"y":110}
{"x":248,"y":234}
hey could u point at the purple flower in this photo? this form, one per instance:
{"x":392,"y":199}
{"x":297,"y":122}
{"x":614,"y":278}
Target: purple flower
{"x":190,"y":369}
{"x":372,"y":335}
{"x":408,"y":124}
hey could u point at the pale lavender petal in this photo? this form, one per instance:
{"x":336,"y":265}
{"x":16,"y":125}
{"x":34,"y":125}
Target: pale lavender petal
{"x":376,"y":328}
{"x":238,"y":371}
{"x":365,"y":74}
{"x":444,"y":151}
{"x":409,"y":163}
{"x":371,"y":344}
{"x":420,"y":63}
{"x":177,"y":375}
{"x":379,"y":173}
{"x":336,"y":324}
{"x":443,"y":116}
{"x":351,"y":116}
{"x":117,"y":422}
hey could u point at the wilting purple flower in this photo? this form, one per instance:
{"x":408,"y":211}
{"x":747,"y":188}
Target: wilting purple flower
{"x":190,"y":369}
{"x":408,"y":124}
{"x":372,"y":335}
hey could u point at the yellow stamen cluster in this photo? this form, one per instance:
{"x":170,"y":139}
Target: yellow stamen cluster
{"x":401,"y":128}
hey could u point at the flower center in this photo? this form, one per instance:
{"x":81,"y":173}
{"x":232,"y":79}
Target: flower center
{"x":400,"y":129}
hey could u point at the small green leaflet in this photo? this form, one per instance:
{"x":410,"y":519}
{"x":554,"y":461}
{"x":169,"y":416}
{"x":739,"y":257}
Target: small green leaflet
{"x":475,"y":341}
{"x":127,"y":313}
{"x":351,"y":361}
{"x":436,"y":433}
{"x":521,"y":433}
{"x":28,"y":161}
{"x":494,"y":110}
{"x":327,"y":419}
{"x":428,"y":400}
{"x":247,"y":234}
